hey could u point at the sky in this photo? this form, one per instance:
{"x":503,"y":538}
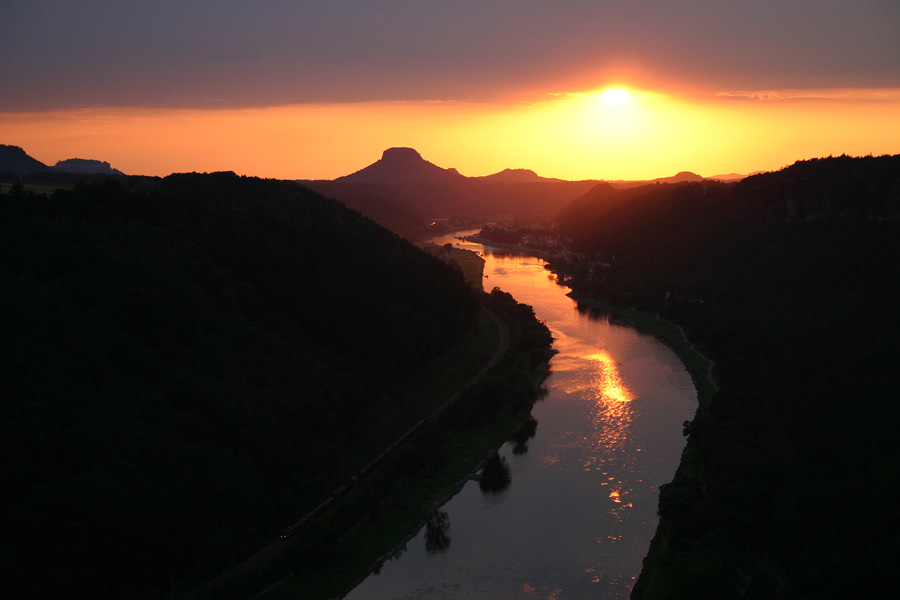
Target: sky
{"x":574,"y":89}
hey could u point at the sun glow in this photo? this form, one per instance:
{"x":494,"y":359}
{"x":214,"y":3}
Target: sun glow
{"x":620,"y":131}
{"x":615,"y":97}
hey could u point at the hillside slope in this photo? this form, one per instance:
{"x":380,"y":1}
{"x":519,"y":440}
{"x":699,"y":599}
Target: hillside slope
{"x":788,"y":488}
{"x":16,"y":162}
{"x":182,"y":370}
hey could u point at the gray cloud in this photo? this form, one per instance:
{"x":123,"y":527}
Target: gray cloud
{"x":189,"y":53}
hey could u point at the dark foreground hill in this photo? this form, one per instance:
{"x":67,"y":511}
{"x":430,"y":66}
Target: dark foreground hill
{"x":182,"y":369}
{"x":789,"y":487}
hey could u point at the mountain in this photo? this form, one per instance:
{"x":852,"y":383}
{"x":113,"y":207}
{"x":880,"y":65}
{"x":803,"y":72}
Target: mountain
{"x":403,"y":166}
{"x":14,"y":160}
{"x":405,"y":193}
{"x":677,"y":178}
{"x":514,"y":176}
{"x":15,"y":163}
{"x":733,"y":176}
{"x":728,"y":177}
{"x":84,"y":165}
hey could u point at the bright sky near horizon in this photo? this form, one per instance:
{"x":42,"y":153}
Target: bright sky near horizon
{"x":573,"y":89}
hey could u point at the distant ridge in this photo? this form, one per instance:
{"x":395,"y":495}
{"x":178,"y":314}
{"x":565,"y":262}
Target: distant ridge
{"x":733,"y":176}
{"x":85,"y":165}
{"x":514,"y":176}
{"x":677,"y":178}
{"x":406,"y":193}
{"x":16,"y":161}
{"x":404,"y":166}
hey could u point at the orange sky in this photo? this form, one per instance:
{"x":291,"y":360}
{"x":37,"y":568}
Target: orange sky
{"x":312,"y":89}
{"x":640,"y":134}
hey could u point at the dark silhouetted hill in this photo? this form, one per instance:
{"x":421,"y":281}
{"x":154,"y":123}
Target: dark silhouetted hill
{"x":16,"y":164}
{"x":406,"y":193}
{"x":84,"y":165}
{"x":14,"y":160}
{"x":732,"y":176}
{"x":677,"y":178}
{"x":404,"y":166}
{"x":184,"y":370}
{"x":515,"y":176}
{"x":788,"y":487}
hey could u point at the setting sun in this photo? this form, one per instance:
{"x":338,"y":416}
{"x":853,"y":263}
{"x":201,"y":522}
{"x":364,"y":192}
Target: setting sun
{"x":234,"y":320}
{"x":615,"y":97}
{"x":608,"y":133}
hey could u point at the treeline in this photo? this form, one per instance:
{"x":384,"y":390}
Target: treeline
{"x":513,"y":385}
{"x":789,"y":486}
{"x":183,"y":366}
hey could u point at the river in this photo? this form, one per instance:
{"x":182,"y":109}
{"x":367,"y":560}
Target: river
{"x":579,"y":511}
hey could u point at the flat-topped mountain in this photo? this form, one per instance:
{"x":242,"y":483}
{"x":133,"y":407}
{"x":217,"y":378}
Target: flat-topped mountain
{"x":15,"y":163}
{"x":404,"y":192}
{"x":86,"y":165}
{"x":404,"y":166}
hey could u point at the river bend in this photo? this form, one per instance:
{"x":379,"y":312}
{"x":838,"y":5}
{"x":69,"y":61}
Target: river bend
{"x":578,"y":512}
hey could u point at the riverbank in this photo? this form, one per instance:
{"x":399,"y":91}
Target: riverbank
{"x":697,"y":363}
{"x":375,"y":520}
{"x":588,"y":449}
{"x":470,"y":263}
{"x":383,"y":534}
{"x":510,"y":247}
{"x":699,"y":366}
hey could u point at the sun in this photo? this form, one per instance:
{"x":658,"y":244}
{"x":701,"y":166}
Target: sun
{"x":615,"y":97}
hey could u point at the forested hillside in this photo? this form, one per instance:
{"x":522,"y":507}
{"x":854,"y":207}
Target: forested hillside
{"x":181,"y":369}
{"x":789,"y":486}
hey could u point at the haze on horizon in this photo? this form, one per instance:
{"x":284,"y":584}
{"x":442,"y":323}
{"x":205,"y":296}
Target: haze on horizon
{"x":317,"y":90}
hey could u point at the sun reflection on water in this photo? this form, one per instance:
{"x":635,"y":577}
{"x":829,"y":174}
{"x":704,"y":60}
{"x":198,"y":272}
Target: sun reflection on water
{"x":608,"y":379}
{"x":612,"y":412}
{"x":532,"y":592}
{"x":611,"y":416}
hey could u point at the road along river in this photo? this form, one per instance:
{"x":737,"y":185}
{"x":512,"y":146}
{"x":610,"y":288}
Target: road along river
{"x":576,"y":516}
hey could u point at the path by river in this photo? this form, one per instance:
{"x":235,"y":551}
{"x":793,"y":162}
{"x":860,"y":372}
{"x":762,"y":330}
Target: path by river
{"x":579,"y":511}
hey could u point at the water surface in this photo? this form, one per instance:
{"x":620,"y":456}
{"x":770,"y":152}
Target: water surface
{"x":577,"y":514}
